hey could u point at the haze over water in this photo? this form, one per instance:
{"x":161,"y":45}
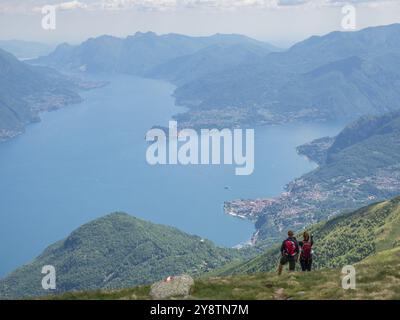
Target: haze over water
{"x":87,"y":160}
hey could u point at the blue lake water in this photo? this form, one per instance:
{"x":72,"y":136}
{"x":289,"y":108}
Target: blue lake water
{"x":87,"y":160}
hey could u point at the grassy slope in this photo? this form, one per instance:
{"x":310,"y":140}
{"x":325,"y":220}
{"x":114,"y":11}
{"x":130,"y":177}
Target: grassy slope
{"x":377,"y":277}
{"x":345,"y":239}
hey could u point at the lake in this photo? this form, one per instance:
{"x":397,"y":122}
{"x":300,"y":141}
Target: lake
{"x":87,"y":160}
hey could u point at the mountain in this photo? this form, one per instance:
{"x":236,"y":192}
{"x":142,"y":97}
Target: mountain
{"x":138,"y":54}
{"x":357,"y":167}
{"x":25,"y":49}
{"x":25,"y":90}
{"x":342,"y":75}
{"x":214,"y":58}
{"x":342,"y":240}
{"x":117,"y":251}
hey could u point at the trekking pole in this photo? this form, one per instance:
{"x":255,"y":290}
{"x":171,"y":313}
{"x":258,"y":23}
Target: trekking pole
{"x":278,"y":262}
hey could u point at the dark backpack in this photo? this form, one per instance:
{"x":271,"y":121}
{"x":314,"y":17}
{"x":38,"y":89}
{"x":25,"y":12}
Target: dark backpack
{"x":306,"y":250}
{"x":290,"y":247}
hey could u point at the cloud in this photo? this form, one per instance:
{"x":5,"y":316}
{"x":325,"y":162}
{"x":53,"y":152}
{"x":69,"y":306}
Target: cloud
{"x":71,"y":5}
{"x":292,"y":2}
{"x":222,"y":4}
{"x":19,"y":6}
{"x":61,"y":6}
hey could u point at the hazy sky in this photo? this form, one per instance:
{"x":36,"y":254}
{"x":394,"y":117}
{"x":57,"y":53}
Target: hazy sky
{"x":278,"y":21}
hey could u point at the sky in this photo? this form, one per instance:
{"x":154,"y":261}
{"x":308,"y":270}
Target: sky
{"x":281,"y":22}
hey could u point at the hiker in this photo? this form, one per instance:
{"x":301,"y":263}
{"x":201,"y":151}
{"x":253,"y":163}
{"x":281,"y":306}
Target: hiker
{"x":306,"y":251}
{"x":289,"y":252}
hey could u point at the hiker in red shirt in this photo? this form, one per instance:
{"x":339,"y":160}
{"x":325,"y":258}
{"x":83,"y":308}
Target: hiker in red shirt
{"x":306,"y":252}
{"x":289,"y":252}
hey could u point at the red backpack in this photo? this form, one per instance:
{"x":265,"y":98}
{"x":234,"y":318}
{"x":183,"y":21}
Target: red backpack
{"x":306,"y":250}
{"x":290,"y":247}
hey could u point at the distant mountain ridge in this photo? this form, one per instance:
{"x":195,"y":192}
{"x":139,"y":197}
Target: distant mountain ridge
{"x":137,"y":54}
{"x":342,"y":75}
{"x":118,"y":251}
{"x":231,"y":80}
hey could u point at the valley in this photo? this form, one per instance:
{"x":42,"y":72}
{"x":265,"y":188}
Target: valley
{"x":326,"y":126}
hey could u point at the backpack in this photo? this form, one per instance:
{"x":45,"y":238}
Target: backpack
{"x":306,"y":250}
{"x":290,"y":247}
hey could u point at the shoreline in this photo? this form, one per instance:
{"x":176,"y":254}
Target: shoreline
{"x":40,"y":107}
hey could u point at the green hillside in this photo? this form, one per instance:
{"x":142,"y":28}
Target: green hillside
{"x":25,"y":90}
{"x":118,"y":251}
{"x":377,"y":277}
{"x":345,"y":239}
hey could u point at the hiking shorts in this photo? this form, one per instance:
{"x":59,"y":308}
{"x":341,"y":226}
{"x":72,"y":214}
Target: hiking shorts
{"x":289,"y":259}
